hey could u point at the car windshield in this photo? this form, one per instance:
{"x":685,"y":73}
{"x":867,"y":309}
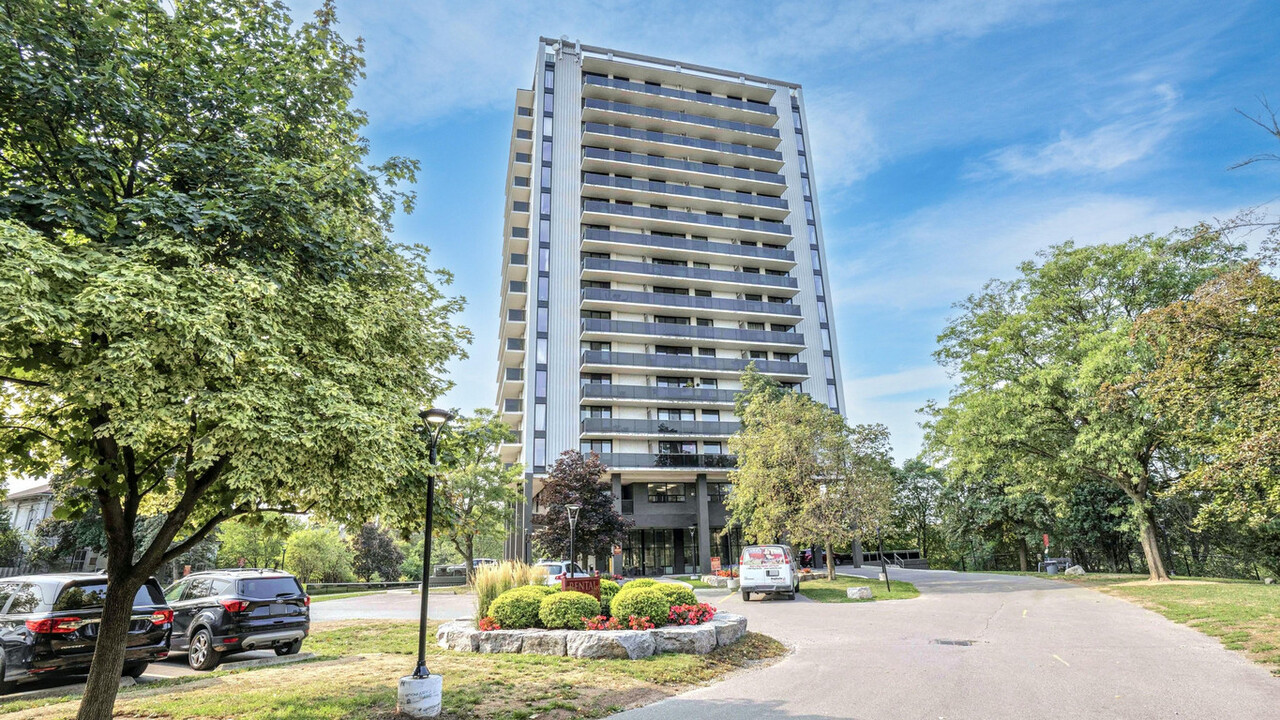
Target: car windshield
{"x":91,"y":595}
{"x":554,"y":569}
{"x":269,"y":587}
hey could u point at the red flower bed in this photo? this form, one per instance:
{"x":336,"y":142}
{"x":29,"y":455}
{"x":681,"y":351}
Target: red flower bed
{"x":691,"y":614}
{"x":488,"y":623}
{"x":727,"y":573}
{"x":601,"y":622}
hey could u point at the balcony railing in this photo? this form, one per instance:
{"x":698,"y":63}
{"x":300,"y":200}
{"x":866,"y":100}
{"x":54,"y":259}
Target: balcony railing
{"x":683,"y":117}
{"x":693,"y":332}
{"x":728,"y":196}
{"x":692,"y":362}
{"x":685,"y":165}
{"x":513,"y":405}
{"x":751,"y":105}
{"x":668,"y":460}
{"x":681,"y":140}
{"x":682,"y":243}
{"x":690,"y":273}
{"x":691,"y":302}
{"x":732,"y":223}
{"x":716,"y":396}
{"x":630,"y":426}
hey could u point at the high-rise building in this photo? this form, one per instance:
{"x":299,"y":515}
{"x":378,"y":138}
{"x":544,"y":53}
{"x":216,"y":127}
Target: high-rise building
{"x":661,"y":233}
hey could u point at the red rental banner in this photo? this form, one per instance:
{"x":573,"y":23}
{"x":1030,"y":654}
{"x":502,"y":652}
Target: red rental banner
{"x":1046,"y":541}
{"x":588,"y":585}
{"x":715,"y":563}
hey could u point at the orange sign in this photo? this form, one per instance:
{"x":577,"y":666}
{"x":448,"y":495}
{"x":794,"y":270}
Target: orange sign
{"x":588,"y":585}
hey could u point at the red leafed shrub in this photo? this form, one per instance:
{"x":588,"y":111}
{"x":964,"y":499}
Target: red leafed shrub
{"x":603,"y":622}
{"x":727,"y":573}
{"x":691,"y":614}
{"x":640,"y":623}
{"x":488,"y":623}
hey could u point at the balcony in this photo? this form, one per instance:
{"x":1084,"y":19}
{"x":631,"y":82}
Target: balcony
{"x":614,"y":427}
{"x":657,"y":395}
{"x":609,"y":111}
{"x":715,"y":103}
{"x":623,"y":188}
{"x":668,"y":461}
{"x":602,"y":361}
{"x":597,"y":212}
{"x":593,"y":329}
{"x":599,"y":240}
{"x":628,"y":138}
{"x":604,"y":160}
{"x":726,"y":308}
{"x":685,"y":276}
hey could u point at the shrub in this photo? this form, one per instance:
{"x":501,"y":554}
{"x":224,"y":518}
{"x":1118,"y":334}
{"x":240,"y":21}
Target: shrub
{"x":493,"y":580}
{"x":567,"y":610}
{"x":518,"y":608}
{"x":677,"y":594}
{"x":641,"y":582}
{"x":608,"y":589}
{"x":691,"y":614}
{"x":642,"y":602}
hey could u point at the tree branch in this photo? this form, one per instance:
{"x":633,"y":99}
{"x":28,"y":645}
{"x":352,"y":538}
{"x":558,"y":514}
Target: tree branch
{"x":46,"y":435}
{"x":22,"y":381}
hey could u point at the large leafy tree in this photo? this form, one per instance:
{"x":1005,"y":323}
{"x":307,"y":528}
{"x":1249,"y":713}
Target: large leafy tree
{"x":576,"y":478}
{"x":255,"y":541}
{"x":915,"y":500}
{"x":200,"y":309}
{"x":1039,"y":362}
{"x":375,"y":553}
{"x":318,"y":554}
{"x":476,"y":487}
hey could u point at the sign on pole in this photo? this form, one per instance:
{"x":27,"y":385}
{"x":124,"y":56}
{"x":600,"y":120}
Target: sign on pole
{"x":715,"y":563}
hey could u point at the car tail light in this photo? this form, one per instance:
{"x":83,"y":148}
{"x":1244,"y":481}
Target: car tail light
{"x":160,"y":617}
{"x":306,"y":601}
{"x":235,"y":606}
{"x":54,"y":626}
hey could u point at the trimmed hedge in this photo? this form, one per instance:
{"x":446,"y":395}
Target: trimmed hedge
{"x":641,"y":602}
{"x":608,"y":589}
{"x":565,"y":610}
{"x":640,"y":582}
{"x":677,"y":594}
{"x":518,"y":608}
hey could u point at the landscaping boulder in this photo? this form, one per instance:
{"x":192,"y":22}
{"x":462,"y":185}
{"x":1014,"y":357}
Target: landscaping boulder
{"x":457,"y":635}
{"x":500,"y":641}
{"x":551,"y":642}
{"x":733,"y":584}
{"x":729,"y":631}
{"x":619,"y":644}
{"x":695,"y":639}
{"x":861,"y":592}
{"x":715,"y":581}
{"x":1074,"y":570}
{"x":1269,"y":581}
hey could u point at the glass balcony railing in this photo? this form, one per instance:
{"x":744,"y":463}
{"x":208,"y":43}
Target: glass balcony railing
{"x":693,"y":332}
{"x":692,"y":362}
{"x":668,"y":460}
{"x":685,"y":165}
{"x":629,"y":426}
{"x":692,"y":302}
{"x":728,"y":196}
{"x":676,"y":116}
{"x":732,"y":223}
{"x":512,"y":405}
{"x":656,"y":393}
{"x":690,"y":273}
{"x":689,"y":95}
{"x":683,"y":243}
{"x":681,"y":140}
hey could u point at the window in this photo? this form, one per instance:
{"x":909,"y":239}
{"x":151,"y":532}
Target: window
{"x":670,"y":290}
{"x":677,"y":447}
{"x":831,"y":367}
{"x":832,"y":400}
{"x":826,"y":339}
{"x":670,"y":320}
{"x":544,"y":259}
{"x":711,"y":415}
{"x":759,"y":355}
{"x":666,"y":492}
{"x":667,"y":381}
{"x":544,"y":288}
{"x":755,"y":326}
{"x":549,"y":104}
{"x":596,"y":412}
{"x":540,"y":417}
{"x":596,"y":446}
{"x":822,"y":312}
{"x":540,"y":383}
{"x":597,"y":346}
{"x":707,"y":352}
{"x":804,"y":183}
{"x":707,"y":383}
{"x":782,"y":328}
{"x":817,"y":285}
{"x":595,"y":378}
{"x":269,"y":588}
{"x":702,"y":293}
{"x":800,"y":142}
{"x":752,"y":297}
{"x":21,"y":598}
{"x":804,"y":165}
{"x":539,"y":452}
{"x":546,"y":178}
{"x":786,"y":357}
{"x":545,"y":207}
{"x":795,"y":119}
{"x":813,"y":235}
{"x":665,"y":261}
{"x":671,"y":350}
{"x":541,"y":356}
{"x":817,"y":261}
{"x":705,"y":322}
{"x":718,"y":491}
{"x":675,"y":414}
{"x":549,"y":80}
{"x":594,"y":314}
{"x":544,"y":232}
{"x":711,"y":448}
{"x":542,"y":319}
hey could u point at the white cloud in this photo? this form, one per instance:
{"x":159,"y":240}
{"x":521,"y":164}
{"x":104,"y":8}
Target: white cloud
{"x":914,"y":380}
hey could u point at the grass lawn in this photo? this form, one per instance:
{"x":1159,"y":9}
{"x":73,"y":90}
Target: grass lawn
{"x":699,"y":585}
{"x":360,"y":661}
{"x":833,"y":591}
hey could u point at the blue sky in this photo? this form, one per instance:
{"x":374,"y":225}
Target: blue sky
{"x":951,"y":140}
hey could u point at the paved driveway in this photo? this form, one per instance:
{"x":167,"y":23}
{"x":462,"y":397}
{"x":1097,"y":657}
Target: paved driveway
{"x":981,"y":647}
{"x":394,"y":605}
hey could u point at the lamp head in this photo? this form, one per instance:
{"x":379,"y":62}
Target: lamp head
{"x":573,"y":510}
{"x":436,"y":416}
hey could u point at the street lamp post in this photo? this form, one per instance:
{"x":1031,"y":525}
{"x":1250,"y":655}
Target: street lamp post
{"x":420,"y":693}
{"x":572,"y":511}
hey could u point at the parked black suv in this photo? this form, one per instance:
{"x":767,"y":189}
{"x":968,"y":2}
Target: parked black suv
{"x":49,"y":626}
{"x":225,"y":611}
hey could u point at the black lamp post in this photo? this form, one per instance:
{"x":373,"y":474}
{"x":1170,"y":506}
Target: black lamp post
{"x":435,"y":419}
{"x":572,"y":511}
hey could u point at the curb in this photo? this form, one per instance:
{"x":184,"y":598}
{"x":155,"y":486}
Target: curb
{"x":74,"y":689}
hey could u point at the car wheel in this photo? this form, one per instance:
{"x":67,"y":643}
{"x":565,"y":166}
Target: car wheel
{"x":200,"y":654}
{"x":290,"y":649}
{"x":135,"y":670}
{"x":746,"y":596}
{"x":6,"y":687}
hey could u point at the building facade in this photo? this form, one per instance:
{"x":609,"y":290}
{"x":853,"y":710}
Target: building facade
{"x":661,"y":233}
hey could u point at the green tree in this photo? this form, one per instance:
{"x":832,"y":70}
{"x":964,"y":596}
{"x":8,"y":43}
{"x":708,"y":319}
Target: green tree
{"x":915,"y":500}
{"x":576,"y":478}
{"x":318,"y":554}
{"x":258,"y":541}
{"x":1039,"y":361}
{"x":375,"y":554}
{"x":200,"y":308}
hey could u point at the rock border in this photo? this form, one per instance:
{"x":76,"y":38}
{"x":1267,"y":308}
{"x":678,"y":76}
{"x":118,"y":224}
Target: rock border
{"x":722,"y":630}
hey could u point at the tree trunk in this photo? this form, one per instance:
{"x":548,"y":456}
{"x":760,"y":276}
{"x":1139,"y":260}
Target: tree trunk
{"x":1150,"y":545}
{"x":1022,"y":554}
{"x":109,"y":647}
{"x":469,"y":555}
{"x":831,"y":560}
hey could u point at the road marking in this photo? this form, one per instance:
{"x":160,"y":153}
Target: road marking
{"x":1024,"y":612}
{"x":1064,"y":662}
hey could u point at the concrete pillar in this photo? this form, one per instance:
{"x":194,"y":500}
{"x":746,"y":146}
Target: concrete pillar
{"x":704,"y":527}
{"x":617,"y":492}
{"x":526,"y":529}
{"x":678,"y":564}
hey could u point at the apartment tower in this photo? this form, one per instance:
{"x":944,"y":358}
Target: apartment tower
{"x":661,"y":233}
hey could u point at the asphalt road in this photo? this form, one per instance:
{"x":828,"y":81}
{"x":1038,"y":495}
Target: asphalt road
{"x":394,"y":605}
{"x":980,"y":647}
